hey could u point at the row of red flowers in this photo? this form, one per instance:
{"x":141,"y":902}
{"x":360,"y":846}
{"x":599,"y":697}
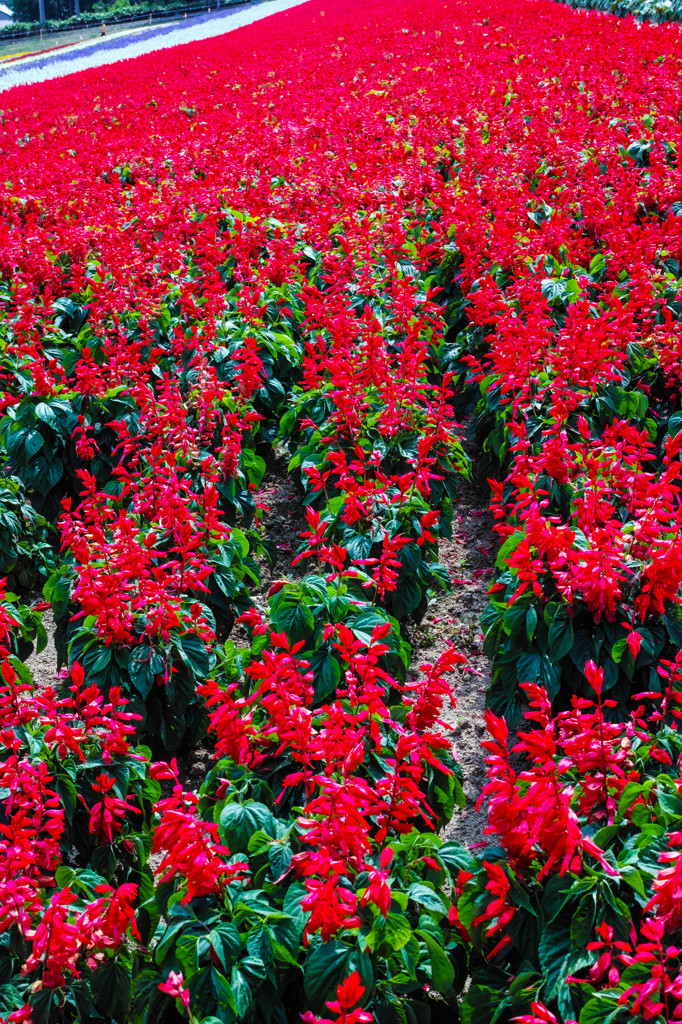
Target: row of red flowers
{"x":565,"y":324}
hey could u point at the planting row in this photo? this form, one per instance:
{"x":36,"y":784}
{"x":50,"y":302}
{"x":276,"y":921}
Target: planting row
{"x":565,"y":331}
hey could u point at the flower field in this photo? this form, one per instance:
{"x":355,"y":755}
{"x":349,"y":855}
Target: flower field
{"x":408,"y":245}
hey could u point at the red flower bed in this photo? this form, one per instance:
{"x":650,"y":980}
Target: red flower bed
{"x":344,"y":230}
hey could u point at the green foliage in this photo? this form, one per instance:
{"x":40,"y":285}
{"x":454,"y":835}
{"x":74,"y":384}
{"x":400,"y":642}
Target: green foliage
{"x":645,"y":10}
{"x":26,"y":553}
{"x":242,"y":953}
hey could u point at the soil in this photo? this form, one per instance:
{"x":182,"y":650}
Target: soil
{"x":284,"y":521}
{"x":454,"y":620}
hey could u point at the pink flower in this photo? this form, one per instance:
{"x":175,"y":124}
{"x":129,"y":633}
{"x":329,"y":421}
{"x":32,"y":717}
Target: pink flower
{"x":174,"y":986}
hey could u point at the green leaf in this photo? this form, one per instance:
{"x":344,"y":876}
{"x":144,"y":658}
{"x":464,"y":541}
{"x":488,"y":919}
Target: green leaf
{"x":327,"y":674}
{"x":481,"y":1002}
{"x":456,"y":857}
{"x":325,"y":968}
{"x":670,"y":803}
{"x":172,"y":729}
{"x":531,"y":623}
{"x":33,"y":443}
{"x":223,"y":992}
{"x":632,"y":876}
{"x":559,"y":890}
{"x":46,"y":415}
{"x":410,"y":558}
{"x":15,"y":441}
{"x":83,"y":880}
{"x":169,"y":939}
{"x":181,"y":690}
{"x":529,"y":668}
{"x":57,"y":591}
{"x":582,"y":923}
{"x":68,"y":795}
{"x":619,"y":649}
{"x":560,"y":635}
{"x":225,"y":941}
{"x":406,"y":598}
{"x":535,"y":667}
{"x":392,"y":932}
{"x":425,"y":896}
{"x":195,"y":655}
{"x":508,"y":548}
{"x":280,"y":857}
{"x":292,"y":904}
{"x":358,"y":545}
{"x":189,"y":949}
{"x":241,"y":991}
{"x":238,"y":822}
{"x":44,"y":474}
{"x":514,"y":620}
{"x":143,"y":666}
{"x":560,"y":955}
{"x":112,"y":988}
{"x":44,"y":1005}
{"x":291,"y":616}
{"x":441,"y":970}
{"x":238,"y":538}
{"x":96,"y":661}
{"x":603,"y":1008}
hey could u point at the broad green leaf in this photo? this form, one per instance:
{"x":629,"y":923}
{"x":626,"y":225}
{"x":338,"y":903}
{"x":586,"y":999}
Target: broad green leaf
{"x":112,"y":987}
{"x":560,"y":955}
{"x":441,"y":970}
{"x":238,"y":822}
{"x":392,"y":933}
{"x":560,"y":635}
{"x":324,"y":969}
{"x":291,"y":616}
{"x":425,"y":896}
